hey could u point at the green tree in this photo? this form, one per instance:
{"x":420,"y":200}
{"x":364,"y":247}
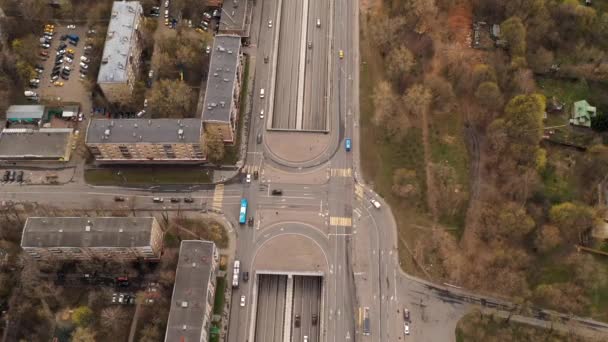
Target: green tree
{"x":25,"y":71}
{"x":83,"y":335}
{"x":514,"y":32}
{"x":82,"y":316}
{"x":488,"y":94}
{"x":214,"y":145}
{"x":513,"y":223}
{"x":171,"y":99}
{"x":524,"y":126}
{"x":572,"y":219}
{"x":25,"y":48}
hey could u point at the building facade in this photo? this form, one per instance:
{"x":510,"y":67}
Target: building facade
{"x":193,"y":292}
{"x":87,"y":238}
{"x":221,"y":105}
{"x":149,"y":141}
{"x":122,"y":52}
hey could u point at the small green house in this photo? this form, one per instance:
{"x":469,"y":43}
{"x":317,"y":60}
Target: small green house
{"x":582,"y":112}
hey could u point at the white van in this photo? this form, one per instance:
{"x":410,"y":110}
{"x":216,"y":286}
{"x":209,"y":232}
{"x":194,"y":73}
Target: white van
{"x":262,"y":93}
{"x":318,"y":22}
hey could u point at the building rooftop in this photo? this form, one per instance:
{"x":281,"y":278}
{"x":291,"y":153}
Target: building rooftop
{"x":87,"y":232}
{"x":19,"y":112}
{"x":124,"y":131}
{"x":222,"y":77}
{"x":25,"y":143}
{"x":189,"y":299}
{"x":119,"y":40}
{"x":234,"y":14}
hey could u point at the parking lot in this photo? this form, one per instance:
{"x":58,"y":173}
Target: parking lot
{"x":72,"y":89}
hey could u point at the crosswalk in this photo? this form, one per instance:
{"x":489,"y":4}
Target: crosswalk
{"x":218,"y":197}
{"x":251,"y":168}
{"x":340,"y":221}
{"x":341,"y":172}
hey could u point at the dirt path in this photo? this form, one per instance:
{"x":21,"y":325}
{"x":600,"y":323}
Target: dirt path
{"x":431,"y":195}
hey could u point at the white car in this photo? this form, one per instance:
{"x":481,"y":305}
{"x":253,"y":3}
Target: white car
{"x":80,"y":117}
{"x":71,"y":27}
{"x":83,"y":65}
{"x":262,"y":114}
{"x":242,"y":300}
{"x":166,"y":14}
{"x":375,"y":203}
{"x":84,"y":59}
{"x":167,"y":3}
{"x":269,"y":23}
{"x":406,"y":328}
{"x":145,"y":103}
{"x":35,"y":80}
{"x":69,"y":60}
{"x":45,"y":46}
{"x":61,"y":52}
{"x":248,"y":179}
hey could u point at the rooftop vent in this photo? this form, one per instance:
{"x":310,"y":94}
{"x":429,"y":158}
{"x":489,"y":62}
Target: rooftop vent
{"x":193,"y":265}
{"x":105,"y":60}
{"x":215,"y":74}
{"x":106,"y":132}
{"x":184,"y":304}
{"x":87,"y":228}
{"x":114,"y":14}
{"x":120,"y":230}
{"x":60,"y":230}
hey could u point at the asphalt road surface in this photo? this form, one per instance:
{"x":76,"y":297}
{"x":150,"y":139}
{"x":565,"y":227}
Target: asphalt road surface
{"x":271,"y":307}
{"x":300,"y":98}
{"x":306,"y":303}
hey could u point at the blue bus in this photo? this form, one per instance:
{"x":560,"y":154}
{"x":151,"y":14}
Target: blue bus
{"x":347,"y":144}
{"x":243,"y":213}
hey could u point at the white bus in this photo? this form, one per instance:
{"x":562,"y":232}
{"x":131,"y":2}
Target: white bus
{"x":236,"y":274}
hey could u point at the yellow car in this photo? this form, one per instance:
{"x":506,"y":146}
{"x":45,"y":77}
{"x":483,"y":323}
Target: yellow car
{"x":49,"y":26}
{"x":199,"y":30}
{"x":58,"y":84}
{"x":49,"y":30}
{"x":341,"y":54}
{"x":166,"y":22}
{"x":70,"y":50}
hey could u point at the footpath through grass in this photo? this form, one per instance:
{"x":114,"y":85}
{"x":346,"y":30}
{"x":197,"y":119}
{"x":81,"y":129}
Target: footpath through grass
{"x":148,"y":176}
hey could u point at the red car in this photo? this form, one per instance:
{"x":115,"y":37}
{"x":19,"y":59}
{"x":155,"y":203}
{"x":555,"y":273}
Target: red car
{"x":44,"y":53}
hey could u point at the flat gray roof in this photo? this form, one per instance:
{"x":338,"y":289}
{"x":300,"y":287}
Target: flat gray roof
{"x":222,"y":77}
{"x":234,"y":13}
{"x":25,"y":143}
{"x":126,"y":131}
{"x":73,"y":232}
{"x":18,"y":112}
{"x":121,"y":35}
{"x":189,"y":299}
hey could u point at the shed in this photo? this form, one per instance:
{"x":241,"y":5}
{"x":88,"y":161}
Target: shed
{"x":582,"y":112}
{"x":25,"y":113}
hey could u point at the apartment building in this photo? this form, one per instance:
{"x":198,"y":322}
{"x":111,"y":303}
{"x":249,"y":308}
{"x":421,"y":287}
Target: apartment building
{"x":193,"y":292}
{"x":121,"y":53}
{"x":146,"y":141}
{"x":221,"y":105}
{"x":86,"y":238}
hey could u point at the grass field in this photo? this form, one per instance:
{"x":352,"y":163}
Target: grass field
{"x":148,"y":176}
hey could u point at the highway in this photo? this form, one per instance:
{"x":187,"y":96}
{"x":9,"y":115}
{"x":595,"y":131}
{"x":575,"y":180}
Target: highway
{"x":271,"y":308}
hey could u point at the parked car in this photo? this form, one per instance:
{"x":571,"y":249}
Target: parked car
{"x":84,"y":59}
{"x":71,"y":27}
{"x":375,"y":203}
{"x":175,"y":200}
{"x":7,"y":174}
{"x":83,"y":65}
{"x":119,"y":199}
{"x":242,"y":300}
{"x":245,"y":276}
{"x":277,"y":192}
{"x":45,"y":45}
{"x":11,"y":177}
{"x":315,"y":319}
{"x":406,"y":315}
{"x":20,"y":176}
{"x":188,"y":200}
{"x":158,"y":200}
